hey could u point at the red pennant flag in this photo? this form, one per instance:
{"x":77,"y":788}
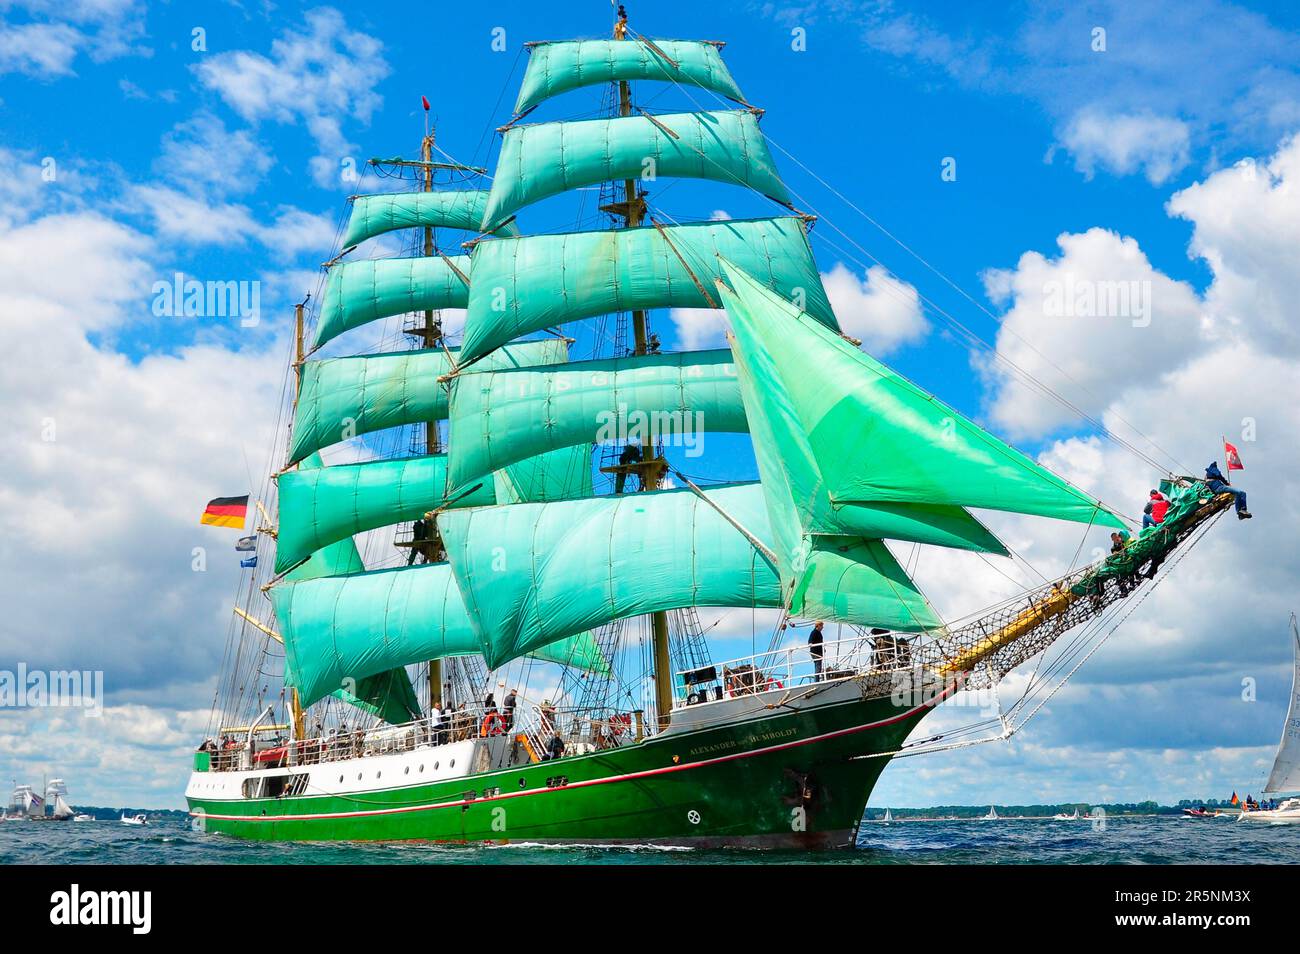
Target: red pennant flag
{"x":1232,"y":458}
{"x":425,"y":100}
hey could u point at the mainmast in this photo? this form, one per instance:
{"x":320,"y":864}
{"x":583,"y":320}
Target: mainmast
{"x":426,"y":543}
{"x":651,"y":467}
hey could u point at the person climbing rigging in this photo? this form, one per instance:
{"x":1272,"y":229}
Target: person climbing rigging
{"x":1219,"y":484}
{"x":631,"y":455}
{"x":1154,"y":513}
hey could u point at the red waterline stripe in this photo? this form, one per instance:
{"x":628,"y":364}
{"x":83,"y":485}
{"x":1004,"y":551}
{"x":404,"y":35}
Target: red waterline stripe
{"x":838,"y":733}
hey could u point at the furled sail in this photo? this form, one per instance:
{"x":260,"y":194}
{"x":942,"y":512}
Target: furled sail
{"x":341,"y":629}
{"x":321,"y":505}
{"x":561,"y":66}
{"x":343,"y":397}
{"x":503,"y":416}
{"x":871,"y":435}
{"x":546,"y":159}
{"x":361,"y":292}
{"x":535,"y":573}
{"x":521,"y":285}
{"x":453,"y":209}
{"x":1285,"y":777}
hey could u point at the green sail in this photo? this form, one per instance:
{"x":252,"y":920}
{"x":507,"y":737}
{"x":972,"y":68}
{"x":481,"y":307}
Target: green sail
{"x":344,"y":397}
{"x":546,"y":159}
{"x":389,"y":694}
{"x":500,"y":417}
{"x":559,"y":67}
{"x":535,"y":573}
{"x":321,"y":505}
{"x":522,"y":285}
{"x":339,"y":630}
{"x":454,"y":209}
{"x":871,"y":435}
{"x":361,"y":292}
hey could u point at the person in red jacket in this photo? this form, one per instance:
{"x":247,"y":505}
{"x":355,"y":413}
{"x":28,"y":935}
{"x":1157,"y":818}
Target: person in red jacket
{"x":1154,"y":513}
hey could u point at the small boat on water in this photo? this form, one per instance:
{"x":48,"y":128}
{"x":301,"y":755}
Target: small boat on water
{"x":1201,"y":812}
{"x":991,"y":816}
{"x":1061,"y":816}
{"x":83,"y":817}
{"x":139,"y":819}
{"x":889,"y":816}
{"x":1285,"y":777}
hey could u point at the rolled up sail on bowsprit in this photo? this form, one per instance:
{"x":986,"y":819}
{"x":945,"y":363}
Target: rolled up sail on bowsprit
{"x":340,"y":629}
{"x":321,"y":505}
{"x":561,"y":66}
{"x":506,"y":415}
{"x":535,"y":573}
{"x":522,"y":285}
{"x":546,"y":159}
{"x":357,"y":293}
{"x":343,"y":397}
{"x":374,"y":215}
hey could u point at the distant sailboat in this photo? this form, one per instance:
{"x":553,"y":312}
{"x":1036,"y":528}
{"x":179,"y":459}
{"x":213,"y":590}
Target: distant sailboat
{"x":889,"y":816}
{"x":1061,"y":816}
{"x":1285,"y":777}
{"x":991,"y":816}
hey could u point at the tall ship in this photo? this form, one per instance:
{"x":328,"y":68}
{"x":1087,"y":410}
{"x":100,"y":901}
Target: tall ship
{"x":486,"y":617}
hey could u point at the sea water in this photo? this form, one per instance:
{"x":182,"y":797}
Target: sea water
{"x":1124,"y":840}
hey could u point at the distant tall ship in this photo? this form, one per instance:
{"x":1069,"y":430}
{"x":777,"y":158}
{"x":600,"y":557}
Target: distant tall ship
{"x":26,"y":804}
{"x":521,"y":659}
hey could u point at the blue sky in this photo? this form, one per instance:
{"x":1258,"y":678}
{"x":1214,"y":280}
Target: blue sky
{"x":1164,"y":157}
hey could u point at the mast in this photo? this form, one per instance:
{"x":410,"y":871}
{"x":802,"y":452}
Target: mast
{"x":296,"y":720}
{"x":652,"y":467}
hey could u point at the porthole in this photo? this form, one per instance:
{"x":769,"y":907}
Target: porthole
{"x":435,"y":766}
{"x":378,"y":774}
{"x":358,"y":776}
{"x":407,"y":771}
{"x":451,"y":764}
{"x":421,"y":768}
{"x":340,"y":779}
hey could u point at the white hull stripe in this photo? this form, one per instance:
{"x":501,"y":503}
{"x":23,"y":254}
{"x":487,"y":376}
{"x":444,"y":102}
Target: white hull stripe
{"x":630,"y":776}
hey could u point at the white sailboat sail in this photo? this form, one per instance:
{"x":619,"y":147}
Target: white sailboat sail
{"x":1285,"y":776}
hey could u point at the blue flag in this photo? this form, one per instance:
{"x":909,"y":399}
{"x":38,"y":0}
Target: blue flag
{"x":249,"y":563}
{"x":246,"y":543}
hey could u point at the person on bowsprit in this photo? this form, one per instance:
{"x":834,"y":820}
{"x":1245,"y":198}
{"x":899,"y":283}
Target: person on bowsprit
{"x":816,"y":648}
{"x":1218,"y":484}
{"x":1154,"y":513}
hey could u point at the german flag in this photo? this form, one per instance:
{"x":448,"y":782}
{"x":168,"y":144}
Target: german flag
{"x":226,"y":512}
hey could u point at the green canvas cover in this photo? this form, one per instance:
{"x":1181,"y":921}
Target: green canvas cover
{"x":546,"y":159}
{"x":500,"y":417}
{"x":559,"y":67}
{"x":453,"y":209}
{"x":523,"y":285}
{"x":357,"y":293}
{"x":343,"y":397}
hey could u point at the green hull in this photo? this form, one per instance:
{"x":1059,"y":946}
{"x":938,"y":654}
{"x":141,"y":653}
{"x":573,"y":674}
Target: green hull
{"x":794,"y":779}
